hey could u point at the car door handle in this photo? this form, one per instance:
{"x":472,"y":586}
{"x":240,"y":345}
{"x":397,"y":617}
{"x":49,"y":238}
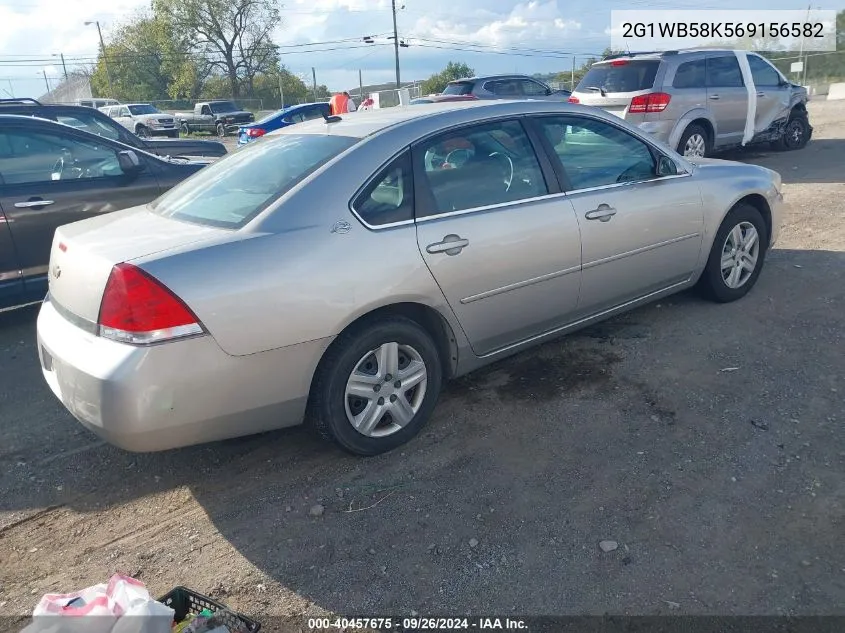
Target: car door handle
{"x":603,"y":213}
{"x":713,"y":97}
{"x":451,"y":245}
{"x":761,"y":94}
{"x":33,"y":203}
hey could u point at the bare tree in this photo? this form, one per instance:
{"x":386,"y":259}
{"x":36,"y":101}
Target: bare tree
{"x":234,"y":36}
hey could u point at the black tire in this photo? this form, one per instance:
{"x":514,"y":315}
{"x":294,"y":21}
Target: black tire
{"x":142,"y":132}
{"x":796,"y":135}
{"x":173,"y":134}
{"x":185,"y":129}
{"x":692,"y":130}
{"x":328,"y":404}
{"x":712,"y":283}
{"x":221,"y":130}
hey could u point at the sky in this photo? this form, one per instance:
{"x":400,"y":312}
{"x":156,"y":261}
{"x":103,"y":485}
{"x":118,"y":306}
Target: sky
{"x":491,"y":36}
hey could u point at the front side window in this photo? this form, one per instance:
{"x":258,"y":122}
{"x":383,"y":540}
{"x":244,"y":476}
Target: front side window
{"x":594,"y":153}
{"x":27,"y":157}
{"x":533,"y":89}
{"x":124,"y":111}
{"x":389,"y":197}
{"x":762,"y":72}
{"x":232,"y":191}
{"x":691,"y":75}
{"x":723,"y":72}
{"x":481,"y":165}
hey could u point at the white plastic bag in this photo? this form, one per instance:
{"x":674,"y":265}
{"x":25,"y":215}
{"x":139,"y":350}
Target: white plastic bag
{"x":101,"y":609}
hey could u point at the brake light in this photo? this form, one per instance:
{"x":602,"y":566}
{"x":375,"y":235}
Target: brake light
{"x":573,"y":100}
{"x":619,"y":62}
{"x":255,"y":132}
{"x":653,"y":102}
{"x":138,"y":309}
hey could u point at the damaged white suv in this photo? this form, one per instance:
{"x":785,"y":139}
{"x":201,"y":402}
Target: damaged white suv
{"x":699,"y":101}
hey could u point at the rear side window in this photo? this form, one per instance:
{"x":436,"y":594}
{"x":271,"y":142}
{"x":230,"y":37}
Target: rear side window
{"x":389,"y":197}
{"x":90,"y":123}
{"x":458,"y":88}
{"x":232,"y":191}
{"x":691,"y":75}
{"x":723,"y":72}
{"x":621,"y":76}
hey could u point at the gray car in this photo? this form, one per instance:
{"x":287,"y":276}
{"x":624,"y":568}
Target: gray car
{"x":339,"y":271}
{"x":504,"y":87}
{"x":697,"y":101}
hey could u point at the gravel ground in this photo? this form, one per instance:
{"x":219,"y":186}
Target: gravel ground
{"x":705,"y":440}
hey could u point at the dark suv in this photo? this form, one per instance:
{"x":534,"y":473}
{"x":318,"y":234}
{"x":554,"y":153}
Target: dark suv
{"x":53,"y":174}
{"x":99,"y":123}
{"x":505,"y":87}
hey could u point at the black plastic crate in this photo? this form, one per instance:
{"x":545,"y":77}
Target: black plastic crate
{"x":184,"y":601}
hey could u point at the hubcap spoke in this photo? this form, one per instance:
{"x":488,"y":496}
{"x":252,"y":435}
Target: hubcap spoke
{"x":361,"y":385}
{"x":736,"y":236}
{"x":369,"y":418}
{"x":402,"y":412}
{"x":733,"y":278}
{"x":388,"y":359}
{"x":748,"y":264}
{"x":750,"y":240}
{"x":727,"y":262}
{"x":412,"y":375}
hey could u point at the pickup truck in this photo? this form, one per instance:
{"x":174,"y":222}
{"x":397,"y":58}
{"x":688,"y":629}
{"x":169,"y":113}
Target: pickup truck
{"x":143,"y":119}
{"x":213,"y":116}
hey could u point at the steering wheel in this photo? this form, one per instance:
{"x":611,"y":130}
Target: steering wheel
{"x":466,"y":153}
{"x":509,"y":179}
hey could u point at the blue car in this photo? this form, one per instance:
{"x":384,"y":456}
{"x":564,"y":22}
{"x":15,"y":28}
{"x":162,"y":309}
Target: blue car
{"x":282,"y":118}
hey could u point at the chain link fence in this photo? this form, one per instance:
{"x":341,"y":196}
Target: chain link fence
{"x":818,"y":72}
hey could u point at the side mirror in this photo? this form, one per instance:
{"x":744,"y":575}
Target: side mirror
{"x":666,"y":167}
{"x":129,"y":162}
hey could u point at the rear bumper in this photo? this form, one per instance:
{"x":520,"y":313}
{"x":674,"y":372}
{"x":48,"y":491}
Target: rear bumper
{"x":174,"y":394}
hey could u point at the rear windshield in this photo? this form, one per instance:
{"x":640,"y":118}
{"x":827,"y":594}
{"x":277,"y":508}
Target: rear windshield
{"x":625,"y":76}
{"x":232,"y":191}
{"x":458,"y":88}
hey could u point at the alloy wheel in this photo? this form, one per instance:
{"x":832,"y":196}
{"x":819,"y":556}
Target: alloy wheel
{"x":385,"y":390}
{"x":739,"y":255}
{"x":696,"y":146}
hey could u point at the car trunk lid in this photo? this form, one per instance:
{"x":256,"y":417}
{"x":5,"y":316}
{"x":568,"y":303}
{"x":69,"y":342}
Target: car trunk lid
{"x":84,"y":253}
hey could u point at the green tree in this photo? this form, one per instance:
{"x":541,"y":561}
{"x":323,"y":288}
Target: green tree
{"x":437,"y":82}
{"x":233,"y":36}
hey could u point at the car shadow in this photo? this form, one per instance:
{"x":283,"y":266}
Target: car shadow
{"x":819,"y":162}
{"x":510,"y":476}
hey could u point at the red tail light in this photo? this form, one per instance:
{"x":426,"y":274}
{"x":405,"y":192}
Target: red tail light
{"x":573,"y":100}
{"x":654,"y":102}
{"x":619,"y":62}
{"x":136,"y":308}
{"x":255,"y":132}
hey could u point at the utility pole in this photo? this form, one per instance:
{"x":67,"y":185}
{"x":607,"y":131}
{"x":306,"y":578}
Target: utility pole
{"x":395,"y":43}
{"x":105,"y":61}
{"x":281,"y":93}
{"x":11,"y":89}
{"x":572,"y":80}
{"x":360,"y":87}
{"x":46,"y":83}
{"x":314,"y":79}
{"x":64,"y":68}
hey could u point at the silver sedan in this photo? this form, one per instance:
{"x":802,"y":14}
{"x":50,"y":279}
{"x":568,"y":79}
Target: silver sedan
{"x":337,"y":272}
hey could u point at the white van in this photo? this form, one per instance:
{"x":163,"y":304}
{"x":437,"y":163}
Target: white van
{"x":97,"y":103}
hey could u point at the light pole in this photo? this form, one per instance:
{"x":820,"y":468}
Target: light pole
{"x":103,"y":47}
{"x":64,"y":67}
{"x":46,"y":83}
{"x":395,"y":43}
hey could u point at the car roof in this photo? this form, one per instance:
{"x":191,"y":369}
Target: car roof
{"x":660,"y":55}
{"x":489,"y":77}
{"x":371,"y":122}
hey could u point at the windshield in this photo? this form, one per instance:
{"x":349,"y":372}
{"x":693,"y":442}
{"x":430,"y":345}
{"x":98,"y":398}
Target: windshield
{"x":224,"y":106}
{"x":458,"y":88}
{"x":234,"y":190}
{"x":620,"y":76}
{"x":143,"y":109}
